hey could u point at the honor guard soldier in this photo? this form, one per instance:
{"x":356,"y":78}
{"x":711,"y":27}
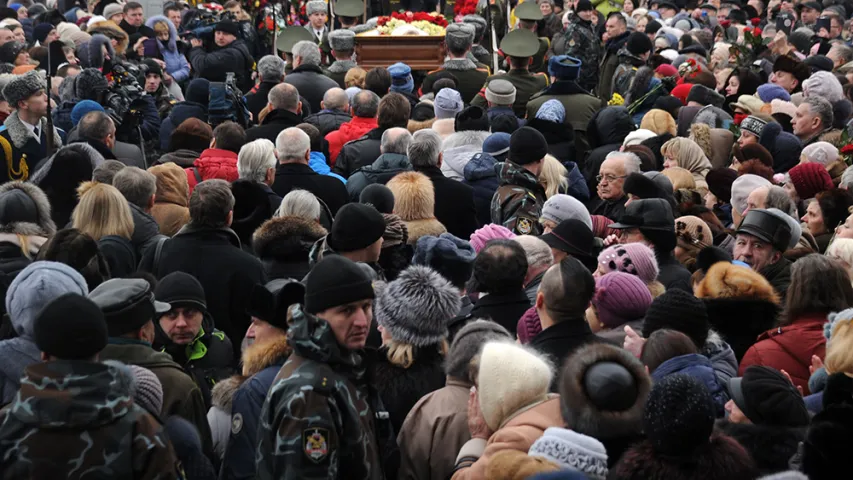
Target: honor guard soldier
{"x":470,"y":76}
{"x":289,"y":37}
{"x":317,"y":17}
{"x":518,"y":45}
{"x":479,"y":53}
{"x":528,"y":15}
{"x":349,"y":13}
{"x":342,"y":43}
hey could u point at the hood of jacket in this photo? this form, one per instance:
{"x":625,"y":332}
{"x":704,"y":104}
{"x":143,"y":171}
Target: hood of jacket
{"x":317,"y":162}
{"x":694,"y":365}
{"x":216,"y":163}
{"x":390,"y":161}
{"x":43,"y":225}
{"x":72,"y":395}
{"x":183,"y":158}
{"x":172,"y":184}
{"x":112,"y":31}
{"x":458,"y":149}
{"x":92,"y":51}
{"x":481,"y":166}
{"x":184,"y":110}
{"x":414,"y":196}
{"x":287,"y":238}
{"x":608,"y":126}
{"x":313,"y":338}
{"x":357,"y":127}
{"x":172,"y":44}
{"x":627,"y":57}
{"x":511,"y":174}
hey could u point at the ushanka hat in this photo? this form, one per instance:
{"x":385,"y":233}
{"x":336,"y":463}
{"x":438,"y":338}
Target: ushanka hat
{"x":270,"y":302}
{"x":23,"y":87}
{"x":564,"y":67}
{"x":342,"y":40}
{"x":459,"y":36}
{"x":227,"y":26}
{"x":315,"y":6}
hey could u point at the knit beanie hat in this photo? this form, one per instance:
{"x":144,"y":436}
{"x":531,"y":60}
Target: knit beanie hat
{"x":41,"y":31}
{"x":497,"y":144}
{"x":638,"y":136}
{"x":809,"y":179}
{"x":552,"y":111}
{"x":112,"y":9}
{"x":447,"y":103}
{"x":693,"y":231}
{"x":527,"y":145}
{"x":510,"y":377}
{"x":401,"y":78}
{"x":572,"y":451}
{"x":680,"y":311}
{"x":198,"y":91}
{"x":743,"y":186}
{"x":180,"y":289}
{"x":659,"y":122}
{"x":148,"y":391}
{"x":528,"y":326}
{"x":824,"y":85}
{"x":82,"y":108}
{"x":766,"y":397}
{"x":450,"y":256}
{"x":377,"y":196}
{"x":334,"y":281}
{"x":487,"y":232}
{"x":770,"y":91}
{"x":468,"y":342}
{"x":500,"y":92}
{"x":679,"y":415}
{"x":70,"y":327}
{"x":634,"y":258}
{"x":37,"y":285}
{"x":565,"y":207}
{"x":753,"y":125}
{"x":356,"y":226}
{"x":639,"y":43}
{"x":416,"y":306}
{"x":823,"y":153}
{"x":720,"y":182}
{"x":682,"y":91}
{"x":620,"y":298}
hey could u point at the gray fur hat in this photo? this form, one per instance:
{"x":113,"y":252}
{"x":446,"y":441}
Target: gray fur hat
{"x":468,"y":342}
{"x":712,"y":116}
{"x":23,"y":87}
{"x":315,"y":6}
{"x":459,"y":36}
{"x":416,"y":307}
{"x":342,"y":40}
{"x":479,"y":24}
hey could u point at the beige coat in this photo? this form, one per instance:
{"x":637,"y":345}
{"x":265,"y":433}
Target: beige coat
{"x":517,"y":433}
{"x":433,"y":432}
{"x":171,"y":203}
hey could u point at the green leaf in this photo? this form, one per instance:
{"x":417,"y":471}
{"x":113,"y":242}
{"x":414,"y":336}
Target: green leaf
{"x":766,"y":41}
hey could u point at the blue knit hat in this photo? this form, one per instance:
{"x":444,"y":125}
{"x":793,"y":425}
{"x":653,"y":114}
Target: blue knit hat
{"x":552,"y":111}
{"x":41,"y":31}
{"x":770,"y":91}
{"x":564,"y":67}
{"x":401,"y":78}
{"x":497,"y":144}
{"x":82,"y":108}
{"x":15,"y":6}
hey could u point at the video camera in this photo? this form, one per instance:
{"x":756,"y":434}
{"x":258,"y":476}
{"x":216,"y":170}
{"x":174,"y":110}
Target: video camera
{"x":200,"y":24}
{"x":123,"y":94}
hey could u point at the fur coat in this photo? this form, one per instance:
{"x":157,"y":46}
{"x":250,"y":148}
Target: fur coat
{"x":283,"y":244}
{"x":769,"y":446}
{"x":112,"y":31}
{"x":458,"y":149}
{"x":171,"y":205}
{"x":414,"y":202}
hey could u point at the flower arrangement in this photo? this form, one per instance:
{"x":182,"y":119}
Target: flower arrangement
{"x":464,"y":7}
{"x":429,"y":23}
{"x":753,"y":44}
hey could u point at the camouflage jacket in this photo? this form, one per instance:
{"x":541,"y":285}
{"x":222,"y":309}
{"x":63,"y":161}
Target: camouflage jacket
{"x":77,"y":420}
{"x":517,"y":203}
{"x":581,"y":42}
{"x":625,"y":72}
{"x":317,"y":420}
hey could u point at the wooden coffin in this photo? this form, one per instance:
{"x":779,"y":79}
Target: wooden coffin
{"x":418,"y":52}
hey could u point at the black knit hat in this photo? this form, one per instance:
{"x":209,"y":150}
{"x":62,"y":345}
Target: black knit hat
{"x":639,"y":43}
{"x":526,"y":146}
{"x":766,"y":397}
{"x":335,"y":281}
{"x":180,"y":289}
{"x":227,"y":26}
{"x":642,"y":186}
{"x":356,"y":226}
{"x":270,"y":302}
{"x":720,"y":182}
{"x":471,"y":118}
{"x":680,"y":311}
{"x":379,"y":197}
{"x":71,"y":327}
{"x":679,"y":415}
{"x":583,"y":6}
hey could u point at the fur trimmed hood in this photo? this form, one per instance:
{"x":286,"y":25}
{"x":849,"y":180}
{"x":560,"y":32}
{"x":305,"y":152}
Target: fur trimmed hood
{"x":286,"y":238}
{"x":255,"y":358}
{"x":42,"y":226}
{"x":172,"y":44}
{"x":414,"y":196}
{"x":90,"y":53}
{"x":113,"y":32}
{"x":584,"y":417}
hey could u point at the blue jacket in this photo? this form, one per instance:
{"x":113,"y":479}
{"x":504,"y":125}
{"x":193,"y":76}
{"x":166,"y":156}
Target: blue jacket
{"x":699,"y":367}
{"x":480,"y":175}
{"x":577,"y":184}
{"x":179,"y":113}
{"x":317,"y":162}
{"x":176,"y":63}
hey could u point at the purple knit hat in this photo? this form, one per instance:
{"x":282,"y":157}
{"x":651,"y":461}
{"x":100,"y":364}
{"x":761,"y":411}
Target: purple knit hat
{"x":634,"y":258}
{"x":489,"y":232}
{"x":620,"y":298}
{"x":528,"y":326}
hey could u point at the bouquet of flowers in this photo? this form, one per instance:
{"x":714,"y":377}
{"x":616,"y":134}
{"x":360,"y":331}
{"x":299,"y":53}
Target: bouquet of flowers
{"x":409,"y":23}
{"x":464,"y":7}
{"x":846,"y":147}
{"x":753,"y":44}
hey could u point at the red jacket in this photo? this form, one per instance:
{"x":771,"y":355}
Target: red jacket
{"x":349,"y":131}
{"x":790,"y":348}
{"x":213,"y":163}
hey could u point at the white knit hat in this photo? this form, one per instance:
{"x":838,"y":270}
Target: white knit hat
{"x":510,"y":378}
{"x":638,"y":136}
{"x":572,"y":451}
{"x":743,"y":186}
{"x":825,"y":85}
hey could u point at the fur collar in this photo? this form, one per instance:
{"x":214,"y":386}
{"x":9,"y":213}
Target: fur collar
{"x":85,"y":149}
{"x":222,"y":394}
{"x":44,"y":226}
{"x":20,"y":134}
{"x":342,"y":66}
{"x":285,"y":237}
{"x":262,"y":355}
{"x":35,"y":241}
{"x":459,"y":64}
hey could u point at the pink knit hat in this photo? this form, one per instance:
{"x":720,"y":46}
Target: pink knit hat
{"x":489,"y":232}
{"x":809,"y":179}
{"x":620,"y":298}
{"x":634,"y":258}
{"x":528,"y":326}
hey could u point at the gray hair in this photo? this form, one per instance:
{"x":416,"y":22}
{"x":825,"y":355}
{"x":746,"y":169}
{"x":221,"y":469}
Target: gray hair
{"x":632,"y":161}
{"x":538,"y":252}
{"x":271,"y":67}
{"x":335,"y":99}
{"x":291,"y":144}
{"x":822,"y":108}
{"x":136,"y":185}
{"x":847,"y":179}
{"x":308,"y":51}
{"x":365,"y":104}
{"x":395,"y":140}
{"x":210,"y":204}
{"x":424,"y":149}
{"x":299,"y":203}
{"x":255,"y":158}
{"x":778,"y":198}
{"x":284,"y":96}
{"x":844,"y":52}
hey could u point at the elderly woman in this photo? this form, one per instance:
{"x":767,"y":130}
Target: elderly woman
{"x":256,"y":162}
{"x":827,"y":211}
{"x":687,"y":154}
{"x":176,"y":68}
{"x":104,"y":214}
{"x":827,"y":155}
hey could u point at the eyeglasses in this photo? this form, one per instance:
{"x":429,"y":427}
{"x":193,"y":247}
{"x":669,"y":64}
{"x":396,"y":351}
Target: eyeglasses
{"x":609,"y":178}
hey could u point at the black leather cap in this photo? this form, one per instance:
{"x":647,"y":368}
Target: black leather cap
{"x":766,"y":226}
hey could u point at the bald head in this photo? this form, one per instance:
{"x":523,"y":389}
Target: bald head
{"x":284,"y":96}
{"x":567,"y":289}
{"x":757,"y":198}
{"x":335,"y":99}
{"x":395,"y":140}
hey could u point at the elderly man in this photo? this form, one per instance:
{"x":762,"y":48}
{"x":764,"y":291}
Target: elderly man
{"x":394,"y":111}
{"x":293,"y":149}
{"x":611,"y":198}
{"x":469,"y":75}
{"x":139,"y":188}
{"x":256,"y":162}
{"x":342,"y":43}
{"x":517,"y":203}
{"x":761,"y":239}
{"x":395,"y":143}
{"x":335,"y":112}
{"x":539,"y":259}
{"x":454,"y":200}
{"x":307,"y":76}
{"x":270,"y":74}
{"x":285,"y":111}
{"x":812,"y":120}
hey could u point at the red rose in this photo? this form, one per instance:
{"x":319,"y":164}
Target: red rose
{"x":755,"y":21}
{"x":725,"y":23}
{"x":757,"y":32}
{"x":846,"y":149}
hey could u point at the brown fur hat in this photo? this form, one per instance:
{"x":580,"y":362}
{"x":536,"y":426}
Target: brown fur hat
{"x":113,"y":32}
{"x":414,"y":196}
{"x":725,"y":280}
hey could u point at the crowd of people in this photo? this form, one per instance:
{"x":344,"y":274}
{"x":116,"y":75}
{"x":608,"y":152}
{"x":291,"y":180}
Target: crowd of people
{"x":618,"y":246}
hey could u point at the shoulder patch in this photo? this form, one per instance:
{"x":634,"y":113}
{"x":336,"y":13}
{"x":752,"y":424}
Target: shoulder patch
{"x":524,"y":226}
{"x":236,"y":423}
{"x":315,"y":444}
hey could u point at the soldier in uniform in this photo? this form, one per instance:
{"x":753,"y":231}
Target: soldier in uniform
{"x":478,"y":52}
{"x":518,"y":45}
{"x":582,"y":43}
{"x":286,"y":40}
{"x":517,"y":203}
{"x":528,"y":15}
{"x":317,"y":17}
{"x":469,"y":76}
{"x":347,"y":13}
{"x":318,"y":420}
{"x":342,"y":43}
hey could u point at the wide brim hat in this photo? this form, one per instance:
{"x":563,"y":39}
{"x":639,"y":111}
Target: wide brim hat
{"x":290,"y":36}
{"x":348,"y":8}
{"x":520,"y":43}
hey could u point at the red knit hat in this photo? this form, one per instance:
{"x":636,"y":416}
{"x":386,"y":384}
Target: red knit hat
{"x":809,"y":179}
{"x":666,"y":70}
{"x":528,"y":326}
{"x":681,"y":92}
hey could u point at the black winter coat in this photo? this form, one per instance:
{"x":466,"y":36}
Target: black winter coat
{"x":330,"y":190}
{"x":454,"y":203}
{"x":769,"y":446}
{"x":672,"y":274}
{"x":179,"y":113}
{"x":359,"y":153}
{"x":605,"y":133}
{"x":311,"y":83}
{"x":504,"y":310}
{"x":741,"y":321}
{"x":779,"y":275}
{"x":562,"y":339}
{"x":273,"y":124}
{"x":120,"y":255}
{"x":215,"y":65}
{"x":257,"y":99}
{"x":480,"y":175}
{"x":560,"y":138}
{"x":327,"y":120}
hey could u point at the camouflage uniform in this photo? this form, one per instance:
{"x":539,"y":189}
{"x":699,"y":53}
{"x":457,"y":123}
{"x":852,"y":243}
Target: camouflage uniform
{"x":164,"y":101}
{"x":517,"y":203}
{"x":77,"y":420}
{"x":628,"y":66}
{"x":581,"y":43}
{"x":317,"y":420}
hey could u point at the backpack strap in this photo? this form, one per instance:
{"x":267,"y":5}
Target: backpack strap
{"x":158,"y":251}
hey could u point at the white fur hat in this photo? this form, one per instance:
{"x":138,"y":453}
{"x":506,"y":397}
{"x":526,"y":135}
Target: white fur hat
{"x":315,"y":6}
{"x":638,"y":136}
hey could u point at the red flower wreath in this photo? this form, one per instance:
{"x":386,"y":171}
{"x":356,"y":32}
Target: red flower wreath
{"x":464,"y":7}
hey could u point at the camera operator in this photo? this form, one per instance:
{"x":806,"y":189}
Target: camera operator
{"x":155,"y":87}
{"x":229,"y":55}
